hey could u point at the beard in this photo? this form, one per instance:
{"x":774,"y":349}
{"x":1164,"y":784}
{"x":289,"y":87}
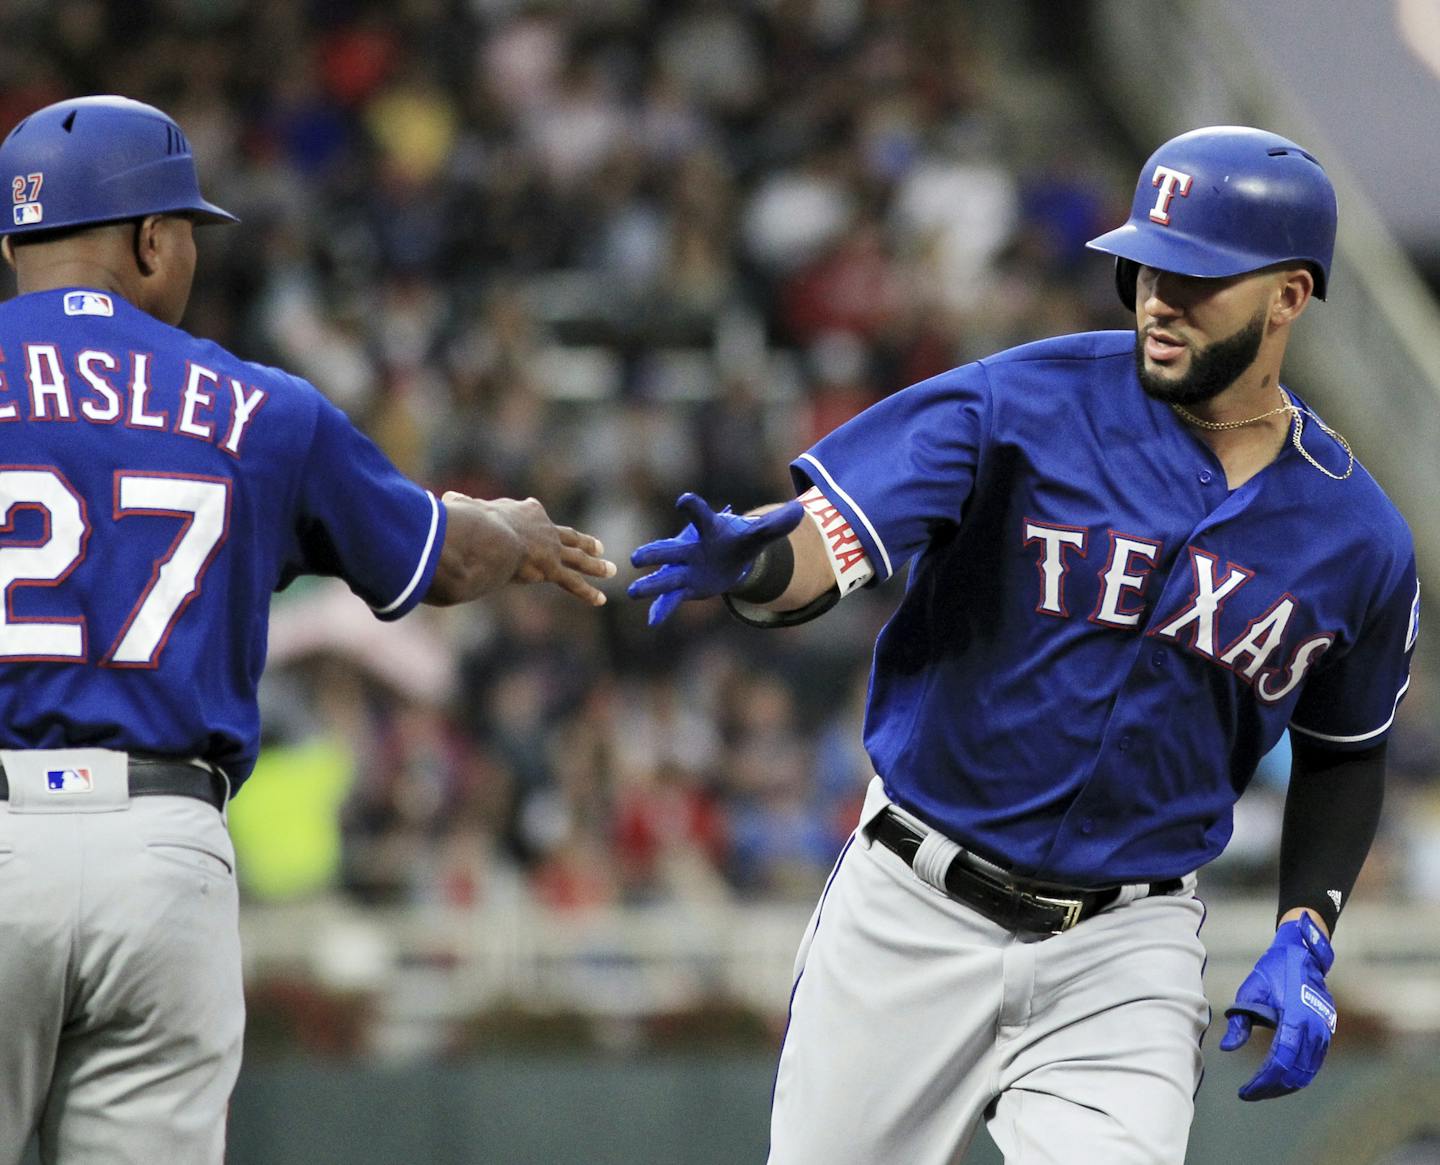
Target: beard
{"x":1212,"y":369}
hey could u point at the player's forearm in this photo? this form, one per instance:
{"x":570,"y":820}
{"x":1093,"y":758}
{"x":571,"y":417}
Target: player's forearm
{"x":1304,"y":912}
{"x":482,"y":552}
{"x":1332,"y":811}
{"x":805,"y":564}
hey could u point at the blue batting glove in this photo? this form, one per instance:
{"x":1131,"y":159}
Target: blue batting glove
{"x":713,"y":554}
{"x":1286,"y":991}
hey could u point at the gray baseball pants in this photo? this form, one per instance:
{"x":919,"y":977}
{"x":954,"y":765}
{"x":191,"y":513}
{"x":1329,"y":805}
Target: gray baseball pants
{"x":914,"y":1018}
{"x":121,"y":1001}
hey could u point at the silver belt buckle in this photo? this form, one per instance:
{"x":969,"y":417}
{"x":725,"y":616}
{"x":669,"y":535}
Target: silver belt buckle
{"x":1071,"y":906}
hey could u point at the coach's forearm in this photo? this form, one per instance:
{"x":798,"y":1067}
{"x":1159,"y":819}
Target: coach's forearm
{"x":482,"y":553}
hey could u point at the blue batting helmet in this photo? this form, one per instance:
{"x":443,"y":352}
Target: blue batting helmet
{"x":1225,"y":200}
{"x":94,"y":160}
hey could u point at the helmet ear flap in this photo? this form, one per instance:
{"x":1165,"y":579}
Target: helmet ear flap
{"x":1126,"y":272}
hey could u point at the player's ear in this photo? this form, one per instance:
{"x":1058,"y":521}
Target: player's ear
{"x":1292,"y":294}
{"x":7,"y":251}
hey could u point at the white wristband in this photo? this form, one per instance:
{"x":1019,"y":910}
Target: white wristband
{"x":848,"y":560}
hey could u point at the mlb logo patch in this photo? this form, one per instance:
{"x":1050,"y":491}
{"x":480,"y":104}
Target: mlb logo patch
{"x":69,"y":781}
{"x":29,"y":213}
{"x":88,"y":303}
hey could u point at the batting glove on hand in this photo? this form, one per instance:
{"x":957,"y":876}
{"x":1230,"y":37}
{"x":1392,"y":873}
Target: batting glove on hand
{"x":1286,"y":991}
{"x":713,"y":554}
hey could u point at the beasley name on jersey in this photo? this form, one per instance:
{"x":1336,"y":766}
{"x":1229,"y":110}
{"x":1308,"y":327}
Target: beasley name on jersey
{"x":106,"y":386}
{"x":1099,"y":639}
{"x":154,"y":492}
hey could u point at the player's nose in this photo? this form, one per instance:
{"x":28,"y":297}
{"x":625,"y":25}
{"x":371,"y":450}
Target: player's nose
{"x":1158,"y":293}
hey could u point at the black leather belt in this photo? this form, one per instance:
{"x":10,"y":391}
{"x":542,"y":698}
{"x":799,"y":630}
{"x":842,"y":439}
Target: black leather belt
{"x":1014,"y":903}
{"x":156,"y":777}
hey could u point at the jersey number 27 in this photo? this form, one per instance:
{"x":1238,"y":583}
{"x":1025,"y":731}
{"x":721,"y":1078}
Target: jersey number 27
{"x":203,"y":506}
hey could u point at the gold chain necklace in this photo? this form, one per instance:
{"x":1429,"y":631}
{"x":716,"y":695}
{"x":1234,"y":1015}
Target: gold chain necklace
{"x":1221,"y":426}
{"x":1298,"y":424}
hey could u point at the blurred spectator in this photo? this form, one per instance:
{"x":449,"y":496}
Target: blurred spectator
{"x":854,"y":288}
{"x":794,"y":214}
{"x":670,"y":837}
{"x":841,"y":385}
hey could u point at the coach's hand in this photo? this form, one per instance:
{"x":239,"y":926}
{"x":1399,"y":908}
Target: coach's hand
{"x":1286,"y":991}
{"x":489,"y":543}
{"x":713,"y":554}
{"x":556,"y":554}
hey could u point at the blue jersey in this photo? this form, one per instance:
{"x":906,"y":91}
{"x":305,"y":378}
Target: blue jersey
{"x":1098,"y":639}
{"x":154,"y":491}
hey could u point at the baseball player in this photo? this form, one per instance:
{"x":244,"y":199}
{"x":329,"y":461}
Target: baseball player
{"x":1136,"y":558}
{"x":154,"y":491}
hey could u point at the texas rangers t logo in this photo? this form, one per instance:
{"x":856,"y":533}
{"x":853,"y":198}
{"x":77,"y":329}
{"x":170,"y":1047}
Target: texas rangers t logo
{"x":1171,"y":182}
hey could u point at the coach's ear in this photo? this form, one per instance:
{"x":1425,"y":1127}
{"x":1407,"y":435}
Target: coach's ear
{"x":8,"y":252}
{"x":146,"y":244}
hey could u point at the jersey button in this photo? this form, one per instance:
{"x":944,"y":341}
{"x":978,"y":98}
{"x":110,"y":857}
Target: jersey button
{"x":1087,"y":827}
{"x":1206,"y":477}
{"x":1157,"y":659}
{"x":1124,"y":745}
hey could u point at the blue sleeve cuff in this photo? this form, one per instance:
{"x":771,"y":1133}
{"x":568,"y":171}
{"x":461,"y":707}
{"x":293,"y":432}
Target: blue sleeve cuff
{"x":419,"y":584}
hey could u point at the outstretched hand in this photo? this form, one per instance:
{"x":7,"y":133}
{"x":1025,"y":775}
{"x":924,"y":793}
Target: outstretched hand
{"x":1286,"y":991}
{"x":713,"y":554}
{"x":546,"y":552}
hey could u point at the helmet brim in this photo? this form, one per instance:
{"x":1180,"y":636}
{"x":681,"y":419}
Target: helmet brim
{"x":1177,"y":253}
{"x":202,"y":214}
{"x":208,"y":214}
{"x":1182,"y":256}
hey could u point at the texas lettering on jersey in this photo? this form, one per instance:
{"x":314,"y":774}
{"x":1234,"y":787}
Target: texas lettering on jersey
{"x":107,"y":388}
{"x":1098,"y":639}
{"x":1258,"y":652}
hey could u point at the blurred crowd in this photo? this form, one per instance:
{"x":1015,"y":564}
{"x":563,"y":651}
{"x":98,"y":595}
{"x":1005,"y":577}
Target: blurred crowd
{"x":600,"y":253}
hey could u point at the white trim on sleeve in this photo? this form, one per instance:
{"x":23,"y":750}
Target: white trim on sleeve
{"x":1364,"y":735}
{"x":424,"y":558}
{"x":835,"y":490}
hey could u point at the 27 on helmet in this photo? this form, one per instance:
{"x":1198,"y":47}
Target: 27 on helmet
{"x":1225,"y":200}
{"x":94,"y":160}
